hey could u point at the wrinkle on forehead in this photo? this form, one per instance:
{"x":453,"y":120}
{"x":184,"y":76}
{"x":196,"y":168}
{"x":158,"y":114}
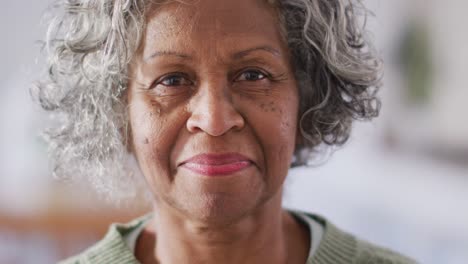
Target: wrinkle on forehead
{"x":168,"y":23}
{"x":204,"y":15}
{"x":170,"y":20}
{"x":216,"y":27}
{"x":210,"y":10}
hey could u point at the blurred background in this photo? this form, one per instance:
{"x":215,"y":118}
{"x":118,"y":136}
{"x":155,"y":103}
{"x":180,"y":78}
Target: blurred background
{"x":401,"y":181}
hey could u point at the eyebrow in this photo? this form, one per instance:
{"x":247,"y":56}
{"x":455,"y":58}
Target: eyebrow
{"x":167,"y":53}
{"x":236,"y":56}
{"x":241,"y":54}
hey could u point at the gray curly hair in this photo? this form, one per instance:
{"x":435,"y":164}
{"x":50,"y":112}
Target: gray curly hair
{"x":89,"y":44}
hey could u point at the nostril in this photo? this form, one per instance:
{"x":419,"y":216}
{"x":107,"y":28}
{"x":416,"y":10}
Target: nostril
{"x":214,"y":125}
{"x":213,"y":111}
{"x":215,"y":122}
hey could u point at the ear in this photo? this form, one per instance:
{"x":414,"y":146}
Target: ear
{"x":126,"y":130}
{"x":298,"y":143}
{"x":299,"y":137}
{"x":128,"y":138}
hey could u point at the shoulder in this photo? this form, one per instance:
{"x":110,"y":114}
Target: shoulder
{"x":338,"y":246}
{"x":112,"y":248}
{"x":370,"y":253}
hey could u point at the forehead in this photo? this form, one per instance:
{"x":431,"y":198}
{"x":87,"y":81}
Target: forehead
{"x":210,"y":25}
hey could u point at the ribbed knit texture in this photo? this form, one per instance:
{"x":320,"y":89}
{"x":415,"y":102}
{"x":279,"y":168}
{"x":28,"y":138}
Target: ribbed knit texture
{"x":112,"y":248}
{"x":336,"y":247}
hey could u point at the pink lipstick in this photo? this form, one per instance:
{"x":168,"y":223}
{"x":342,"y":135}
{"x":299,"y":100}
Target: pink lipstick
{"x":217,"y":164}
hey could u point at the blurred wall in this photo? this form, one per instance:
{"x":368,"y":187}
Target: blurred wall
{"x":401,"y":181}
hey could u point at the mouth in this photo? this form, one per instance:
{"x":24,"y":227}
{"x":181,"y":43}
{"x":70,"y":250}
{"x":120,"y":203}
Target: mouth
{"x":217,"y":164}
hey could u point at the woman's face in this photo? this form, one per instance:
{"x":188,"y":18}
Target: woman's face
{"x":213,"y":107}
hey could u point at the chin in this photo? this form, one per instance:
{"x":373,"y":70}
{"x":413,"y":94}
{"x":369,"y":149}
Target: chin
{"x":221,"y":209}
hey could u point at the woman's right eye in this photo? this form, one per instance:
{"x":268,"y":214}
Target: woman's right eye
{"x":174,"y":80}
{"x":172,"y":84}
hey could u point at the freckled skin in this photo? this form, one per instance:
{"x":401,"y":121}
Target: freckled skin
{"x":234,"y":91}
{"x":240,"y":125}
{"x":213,"y":76}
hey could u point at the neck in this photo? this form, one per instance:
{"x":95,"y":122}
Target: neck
{"x":266,"y":236}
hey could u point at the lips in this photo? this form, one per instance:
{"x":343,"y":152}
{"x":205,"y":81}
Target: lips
{"x":217,"y":164}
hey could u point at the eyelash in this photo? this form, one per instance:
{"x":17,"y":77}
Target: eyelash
{"x":255,"y":71}
{"x":173,"y":75}
{"x":263,"y":75}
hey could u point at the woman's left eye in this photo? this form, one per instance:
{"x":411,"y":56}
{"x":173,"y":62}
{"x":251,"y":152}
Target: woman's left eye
{"x":251,"y":75}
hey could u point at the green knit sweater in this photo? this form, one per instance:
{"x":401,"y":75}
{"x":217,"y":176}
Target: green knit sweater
{"x":336,"y":247}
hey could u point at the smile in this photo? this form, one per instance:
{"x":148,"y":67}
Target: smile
{"x":217,"y":164}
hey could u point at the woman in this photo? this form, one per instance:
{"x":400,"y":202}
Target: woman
{"x":216,"y":100}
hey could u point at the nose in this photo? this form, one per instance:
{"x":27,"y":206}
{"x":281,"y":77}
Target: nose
{"x":213,"y":112}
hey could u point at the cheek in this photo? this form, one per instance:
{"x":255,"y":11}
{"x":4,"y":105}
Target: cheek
{"x":144,"y":131}
{"x":281,"y":116}
{"x":152,"y":138}
{"x":275,"y":124}
{"x":142,"y":120}
{"x":286,"y":133}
